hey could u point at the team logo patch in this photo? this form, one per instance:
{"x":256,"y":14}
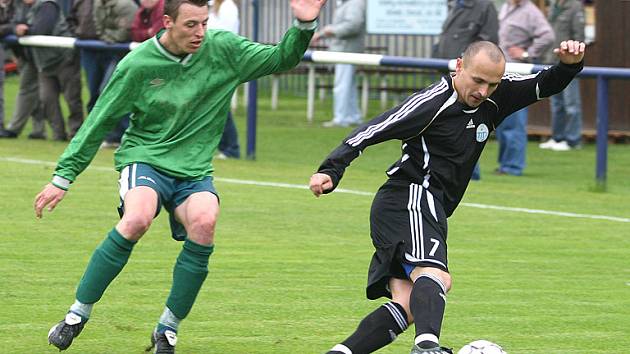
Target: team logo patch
{"x":156,"y":82}
{"x":147,"y":178}
{"x":482,"y":132}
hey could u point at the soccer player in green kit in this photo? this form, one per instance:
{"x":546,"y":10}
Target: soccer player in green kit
{"x":177,"y":86}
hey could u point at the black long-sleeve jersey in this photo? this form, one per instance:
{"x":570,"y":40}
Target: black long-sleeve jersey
{"x":442,"y":138}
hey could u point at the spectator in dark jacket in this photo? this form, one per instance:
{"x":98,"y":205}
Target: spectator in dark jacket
{"x":58,"y":68}
{"x":467,"y":21}
{"x":113,"y":19}
{"x":94,"y":62}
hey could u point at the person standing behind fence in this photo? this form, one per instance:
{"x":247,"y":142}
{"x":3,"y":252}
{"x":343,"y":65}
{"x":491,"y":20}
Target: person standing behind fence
{"x":58,"y":69}
{"x":27,"y":103}
{"x":6,"y":27}
{"x":467,"y":21}
{"x":93,"y":61}
{"x":567,"y":19}
{"x":347,"y":34}
{"x":148,"y":20}
{"x":113,"y":19}
{"x":524,"y":36}
{"x":224,"y":15}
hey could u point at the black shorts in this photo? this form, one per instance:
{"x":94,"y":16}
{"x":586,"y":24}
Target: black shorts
{"x":407,"y":225}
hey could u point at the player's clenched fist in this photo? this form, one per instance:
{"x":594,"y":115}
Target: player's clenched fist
{"x":320,"y":182}
{"x":570,"y":52}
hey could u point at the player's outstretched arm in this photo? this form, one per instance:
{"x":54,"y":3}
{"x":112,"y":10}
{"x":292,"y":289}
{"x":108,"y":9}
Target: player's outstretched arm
{"x":49,"y":196}
{"x":320,"y":182}
{"x":306,"y":10}
{"x":570,"y":52}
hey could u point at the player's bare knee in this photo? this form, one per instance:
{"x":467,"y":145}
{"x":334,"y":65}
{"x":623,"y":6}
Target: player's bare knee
{"x":132,"y":226}
{"x":444,"y":277}
{"x":202,"y":230}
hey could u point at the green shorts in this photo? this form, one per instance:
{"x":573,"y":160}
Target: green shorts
{"x":171,"y":191}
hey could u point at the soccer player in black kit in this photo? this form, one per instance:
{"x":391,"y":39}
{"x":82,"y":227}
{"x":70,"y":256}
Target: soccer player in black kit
{"x":443,"y":130}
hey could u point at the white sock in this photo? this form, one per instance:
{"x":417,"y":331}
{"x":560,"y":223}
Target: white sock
{"x":81,"y":309}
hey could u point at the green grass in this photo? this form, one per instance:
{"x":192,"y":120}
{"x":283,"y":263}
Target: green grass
{"x":289,"y":270}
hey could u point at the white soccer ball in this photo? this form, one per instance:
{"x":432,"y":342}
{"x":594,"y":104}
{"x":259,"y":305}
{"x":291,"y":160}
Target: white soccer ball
{"x":481,"y":347}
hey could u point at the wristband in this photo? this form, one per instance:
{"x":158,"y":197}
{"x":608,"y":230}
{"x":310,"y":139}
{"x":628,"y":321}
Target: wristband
{"x":305,"y":25}
{"x":60,"y":182}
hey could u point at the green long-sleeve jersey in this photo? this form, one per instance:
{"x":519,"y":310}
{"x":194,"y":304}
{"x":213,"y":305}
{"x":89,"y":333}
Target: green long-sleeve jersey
{"x":178,"y":105}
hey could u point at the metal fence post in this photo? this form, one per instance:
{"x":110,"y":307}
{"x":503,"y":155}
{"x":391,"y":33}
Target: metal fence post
{"x":602,"y":132}
{"x":310,"y":93}
{"x":252,"y":96}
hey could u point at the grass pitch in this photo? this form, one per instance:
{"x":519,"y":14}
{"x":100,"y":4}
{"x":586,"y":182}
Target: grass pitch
{"x":289,"y":270}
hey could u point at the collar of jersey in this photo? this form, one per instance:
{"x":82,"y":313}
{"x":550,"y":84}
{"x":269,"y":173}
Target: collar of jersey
{"x":182,"y":60}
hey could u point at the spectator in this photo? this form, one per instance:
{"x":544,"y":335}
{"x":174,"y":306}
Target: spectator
{"x":113,"y":19}
{"x":27,"y":101}
{"x":148,"y":20}
{"x":93,"y":61}
{"x":347,"y":34}
{"x":224,"y":15}
{"x":567,"y":19}
{"x":524,"y":36}
{"x":467,"y":21}
{"x":81,"y":19}
{"x":6,"y":27}
{"x":58,"y":68}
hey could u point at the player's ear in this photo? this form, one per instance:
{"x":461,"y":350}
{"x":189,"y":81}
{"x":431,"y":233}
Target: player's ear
{"x":459,"y":65}
{"x":167,"y":21}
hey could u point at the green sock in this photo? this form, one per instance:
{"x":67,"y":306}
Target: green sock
{"x":189,"y":273}
{"x":107,"y":261}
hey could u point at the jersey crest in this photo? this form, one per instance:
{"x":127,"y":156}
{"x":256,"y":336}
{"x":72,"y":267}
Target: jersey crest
{"x":482,"y":132}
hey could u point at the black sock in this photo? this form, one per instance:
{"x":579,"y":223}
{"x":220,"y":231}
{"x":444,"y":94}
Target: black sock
{"x":427,"y":304}
{"x":376,"y":330}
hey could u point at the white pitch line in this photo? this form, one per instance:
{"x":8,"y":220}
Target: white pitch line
{"x":350,"y":191}
{"x":547,"y":212}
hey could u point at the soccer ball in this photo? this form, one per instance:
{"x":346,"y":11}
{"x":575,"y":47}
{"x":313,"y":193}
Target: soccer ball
{"x":481,"y":347}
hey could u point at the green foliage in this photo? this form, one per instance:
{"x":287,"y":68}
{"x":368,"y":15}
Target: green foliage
{"x":289,"y":270}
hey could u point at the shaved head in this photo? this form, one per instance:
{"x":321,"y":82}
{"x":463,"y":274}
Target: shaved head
{"x":478,"y":72}
{"x":494,"y":53}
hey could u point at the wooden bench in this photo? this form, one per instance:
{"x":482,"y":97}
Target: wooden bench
{"x":588,"y":135}
{"x":314,"y":73}
{"x":383,"y":87}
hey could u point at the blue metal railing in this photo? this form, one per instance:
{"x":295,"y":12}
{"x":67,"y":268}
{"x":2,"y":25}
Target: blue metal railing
{"x":601,"y":74}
